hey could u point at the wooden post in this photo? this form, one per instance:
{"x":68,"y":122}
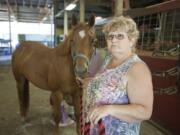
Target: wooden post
{"x":65,"y":20}
{"x":82,"y":10}
{"x":118,"y":7}
{"x":55,"y":3}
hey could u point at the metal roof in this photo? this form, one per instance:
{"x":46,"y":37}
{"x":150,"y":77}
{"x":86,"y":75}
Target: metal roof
{"x":42,"y":10}
{"x":25,"y":10}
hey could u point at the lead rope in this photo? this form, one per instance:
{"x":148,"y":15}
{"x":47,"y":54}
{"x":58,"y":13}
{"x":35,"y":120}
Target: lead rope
{"x":101,"y":127}
{"x":81,"y":114}
{"x":85,"y":129}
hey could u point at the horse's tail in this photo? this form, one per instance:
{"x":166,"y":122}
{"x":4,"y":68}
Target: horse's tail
{"x":23,"y":95}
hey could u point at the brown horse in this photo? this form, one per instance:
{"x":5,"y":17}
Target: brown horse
{"x":55,"y":69}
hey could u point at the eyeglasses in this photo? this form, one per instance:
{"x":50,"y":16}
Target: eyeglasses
{"x":116,"y":36}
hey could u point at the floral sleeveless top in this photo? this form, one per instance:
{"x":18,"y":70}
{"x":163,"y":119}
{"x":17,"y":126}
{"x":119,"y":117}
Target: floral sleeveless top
{"x":109,"y":87}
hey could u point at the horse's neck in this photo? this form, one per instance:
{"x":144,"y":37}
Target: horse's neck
{"x":63,"y":48}
{"x":63,"y":52}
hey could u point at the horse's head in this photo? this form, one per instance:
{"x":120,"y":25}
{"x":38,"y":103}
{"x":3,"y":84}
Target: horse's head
{"x":82,"y":39}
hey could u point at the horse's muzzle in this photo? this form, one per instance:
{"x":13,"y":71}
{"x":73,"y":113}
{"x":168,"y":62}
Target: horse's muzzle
{"x":81,"y":71}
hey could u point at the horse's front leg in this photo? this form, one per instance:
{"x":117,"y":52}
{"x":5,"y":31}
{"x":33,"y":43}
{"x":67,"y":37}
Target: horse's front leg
{"x":56,"y":98}
{"x":77,"y":108}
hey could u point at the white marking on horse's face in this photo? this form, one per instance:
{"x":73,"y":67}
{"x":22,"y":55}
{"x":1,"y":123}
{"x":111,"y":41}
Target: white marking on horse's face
{"x":82,"y":34}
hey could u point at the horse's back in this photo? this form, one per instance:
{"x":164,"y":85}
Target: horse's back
{"x":32,"y":46}
{"x":31,"y":59}
{"x":30,"y":51}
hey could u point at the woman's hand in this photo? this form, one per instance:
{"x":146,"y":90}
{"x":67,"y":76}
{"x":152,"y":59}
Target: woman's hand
{"x":83,"y":83}
{"x":98,"y":113}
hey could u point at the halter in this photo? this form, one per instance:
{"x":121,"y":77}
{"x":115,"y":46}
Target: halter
{"x":80,"y":55}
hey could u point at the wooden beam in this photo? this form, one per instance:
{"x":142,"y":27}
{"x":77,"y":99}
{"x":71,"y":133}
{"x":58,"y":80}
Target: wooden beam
{"x":39,"y":3}
{"x":10,"y":10}
{"x":82,"y":10}
{"x":31,"y":3}
{"x":46,"y":13}
{"x":23,"y":3}
{"x":118,"y":7}
{"x":162,"y":7}
{"x":15,"y":1}
{"x":3,"y":8}
{"x":46,"y":3}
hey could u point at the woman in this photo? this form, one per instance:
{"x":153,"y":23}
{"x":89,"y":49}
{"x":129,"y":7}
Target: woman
{"x":121,"y":94}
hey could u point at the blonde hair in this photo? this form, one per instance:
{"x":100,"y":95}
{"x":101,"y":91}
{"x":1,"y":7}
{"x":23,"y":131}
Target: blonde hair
{"x":125,"y":24}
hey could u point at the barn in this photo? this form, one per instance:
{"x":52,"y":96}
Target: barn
{"x":49,"y":47}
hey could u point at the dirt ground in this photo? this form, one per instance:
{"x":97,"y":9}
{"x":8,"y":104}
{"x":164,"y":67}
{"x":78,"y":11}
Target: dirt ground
{"x":39,"y":118}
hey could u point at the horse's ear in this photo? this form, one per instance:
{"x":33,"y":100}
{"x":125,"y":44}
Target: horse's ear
{"x":74,"y":20}
{"x":91,"y":20}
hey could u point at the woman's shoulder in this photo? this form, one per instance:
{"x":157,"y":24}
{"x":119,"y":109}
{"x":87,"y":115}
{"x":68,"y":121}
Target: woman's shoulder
{"x":139,"y":68}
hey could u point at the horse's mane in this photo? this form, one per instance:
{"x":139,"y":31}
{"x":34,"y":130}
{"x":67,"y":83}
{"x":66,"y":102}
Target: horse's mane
{"x":64,"y":47}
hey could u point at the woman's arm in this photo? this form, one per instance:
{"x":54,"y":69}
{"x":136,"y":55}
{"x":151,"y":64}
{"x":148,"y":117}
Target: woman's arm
{"x":140,"y":93}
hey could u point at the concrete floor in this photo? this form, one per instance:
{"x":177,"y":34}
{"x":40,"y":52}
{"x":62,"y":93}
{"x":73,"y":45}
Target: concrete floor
{"x":39,"y":118}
